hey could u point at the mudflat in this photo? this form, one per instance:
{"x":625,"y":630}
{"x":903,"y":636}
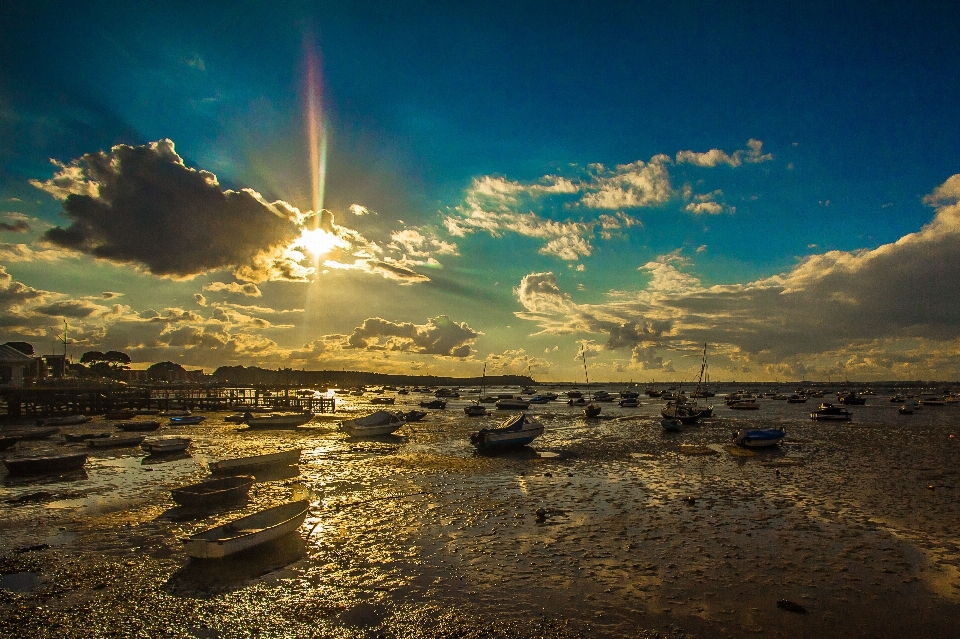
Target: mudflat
{"x":601,"y":528}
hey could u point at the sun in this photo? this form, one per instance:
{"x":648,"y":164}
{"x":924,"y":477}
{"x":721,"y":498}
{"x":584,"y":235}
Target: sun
{"x":320,"y":242}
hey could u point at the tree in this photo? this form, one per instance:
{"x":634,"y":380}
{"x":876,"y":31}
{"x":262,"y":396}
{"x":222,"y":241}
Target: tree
{"x":166,"y":371}
{"x":116,"y":359}
{"x":91,"y":357}
{"x":24,"y":347}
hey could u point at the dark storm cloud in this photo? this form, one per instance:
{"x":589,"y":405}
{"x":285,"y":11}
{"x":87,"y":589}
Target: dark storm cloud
{"x":16,"y":227}
{"x":142,"y":205}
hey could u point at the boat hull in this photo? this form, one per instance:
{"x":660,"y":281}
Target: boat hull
{"x":247,"y":532}
{"x":759,"y":438}
{"x":213,"y":492}
{"x":166,"y":446}
{"x":240,"y":465}
{"x":519,"y":430}
{"x":115,"y":442}
{"x":45,"y":465}
{"x":278,"y":422}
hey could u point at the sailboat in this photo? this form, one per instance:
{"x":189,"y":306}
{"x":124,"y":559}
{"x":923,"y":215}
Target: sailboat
{"x":592,"y":409}
{"x":476,"y":409}
{"x":701,"y":391}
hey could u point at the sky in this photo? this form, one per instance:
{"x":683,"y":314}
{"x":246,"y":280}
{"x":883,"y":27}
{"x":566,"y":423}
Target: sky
{"x":517,"y":187}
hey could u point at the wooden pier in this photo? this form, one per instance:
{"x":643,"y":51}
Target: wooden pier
{"x":39,"y":402}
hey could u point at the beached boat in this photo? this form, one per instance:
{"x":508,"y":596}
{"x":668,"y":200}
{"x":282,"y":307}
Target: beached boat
{"x":671,"y":425}
{"x":757,"y":438}
{"x":379,"y":423}
{"x":213,"y":492}
{"x":82,"y":437}
{"x":244,"y":465}
{"x":186,"y":419}
{"x":247,"y":532}
{"x":744,"y":404}
{"x":174,"y":413}
{"x":906,"y":409}
{"x":629,"y":402}
{"x":796,"y":399}
{"x":476,"y":409}
{"x":68,"y":420}
{"x":851,"y":399}
{"x":115,"y":441}
{"x":119,"y":414}
{"x":45,"y":464}
{"x":383,"y":400}
{"x":166,"y":445}
{"x":7,"y":442}
{"x":434,"y":403}
{"x":412,"y":415}
{"x":518,"y":430}
{"x":512,"y":403}
{"x":139,"y":426}
{"x":592,"y":409}
{"x":829,"y":412}
{"x":277,"y":420}
{"x":34,"y":433}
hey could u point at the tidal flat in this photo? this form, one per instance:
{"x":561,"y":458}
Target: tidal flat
{"x":607,"y":527}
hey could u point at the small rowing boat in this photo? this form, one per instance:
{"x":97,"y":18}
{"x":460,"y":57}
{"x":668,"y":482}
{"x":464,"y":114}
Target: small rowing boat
{"x":247,"y":464}
{"x":247,"y":532}
{"x":186,"y":419}
{"x":757,"y":438}
{"x":519,"y":430}
{"x":213,"y":492}
{"x":139,"y":426}
{"x":166,"y":445}
{"x":277,"y":421}
{"x":43,"y":465}
{"x":115,"y":442}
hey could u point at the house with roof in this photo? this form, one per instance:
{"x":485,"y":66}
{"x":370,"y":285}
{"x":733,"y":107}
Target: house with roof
{"x":13,"y":366}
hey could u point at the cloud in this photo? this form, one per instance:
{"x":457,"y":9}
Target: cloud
{"x":249,"y":288}
{"x":630,"y":186}
{"x":877,"y":304}
{"x":142,"y":205}
{"x":201,"y":300}
{"x":24,"y":253}
{"x":753,"y":154}
{"x":17,"y":226}
{"x":439,"y":336}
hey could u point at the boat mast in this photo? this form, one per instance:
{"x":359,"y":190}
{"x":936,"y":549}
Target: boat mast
{"x":583,"y":354}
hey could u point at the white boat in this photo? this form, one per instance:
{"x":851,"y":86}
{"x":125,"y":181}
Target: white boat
{"x":519,"y":430}
{"x":277,"y":420}
{"x":379,"y":423}
{"x":829,"y":412}
{"x":166,"y":445}
{"x":247,"y":532}
{"x":241,"y":465}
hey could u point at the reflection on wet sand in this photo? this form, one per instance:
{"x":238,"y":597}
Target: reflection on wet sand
{"x":605,"y":528}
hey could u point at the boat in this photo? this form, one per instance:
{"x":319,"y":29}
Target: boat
{"x":447,"y":393}
{"x":681,"y":410}
{"x":796,"y":399}
{"x":744,"y":404}
{"x":513,"y":403}
{"x":166,"y":445}
{"x":213,"y":492}
{"x":174,"y":413}
{"x":701,"y":392}
{"x":46,"y":464}
{"x":235,"y":418}
{"x":186,"y":419}
{"x":379,"y":423}
{"x":277,"y":420}
{"x":540,"y":399}
{"x":119,"y":414}
{"x":434,"y":403}
{"x":31,"y":434}
{"x":671,"y":425}
{"x":68,"y":420}
{"x":518,"y":430}
{"x":476,"y":409}
{"x":141,"y":426}
{"x":574,"y":394}
{"x":382,"y":400}
{"x":931,"y":400}
{"x":245,"y":464}
{"x":757,"y":438}
{"x":829,"y":412}
{"x":7,"y":442}
{"x":412,"y":415}
{"x":851,"y":399}
{"x":592,"y":409}
{"x":899,"y":399}
{"x":82,"y":437}
{"x":247,"y":532}
{"x":115,"y":441}
{"x":629,"y":394}
{"x":906,"y":409}
{"x":629,"y":402}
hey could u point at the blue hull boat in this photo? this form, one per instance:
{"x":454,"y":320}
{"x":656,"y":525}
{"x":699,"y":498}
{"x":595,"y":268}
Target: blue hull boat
{"x":756,"y":438}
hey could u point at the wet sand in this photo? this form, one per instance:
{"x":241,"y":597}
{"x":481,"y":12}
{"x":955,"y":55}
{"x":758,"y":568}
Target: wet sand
{"x":641,"y":533}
